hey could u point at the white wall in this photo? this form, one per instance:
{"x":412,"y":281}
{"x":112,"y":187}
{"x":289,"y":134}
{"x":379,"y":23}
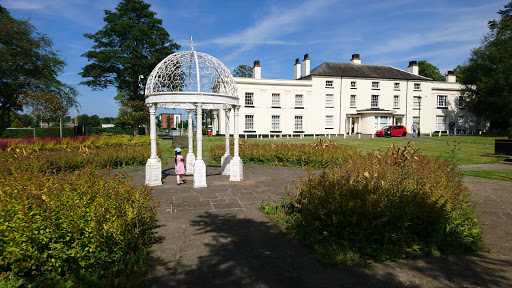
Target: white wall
{"x":314,"y":93}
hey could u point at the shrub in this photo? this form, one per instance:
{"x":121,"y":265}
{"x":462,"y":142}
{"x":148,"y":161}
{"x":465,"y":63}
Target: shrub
{"x":76,"y":142}
{"x":70,"y":160}
{"x":318,"y":155}
{"x":382,"y":206}
{"x":84,"y":229}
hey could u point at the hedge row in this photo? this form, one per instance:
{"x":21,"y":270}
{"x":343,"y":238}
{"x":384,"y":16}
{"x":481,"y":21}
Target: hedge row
{"x":67,"y":132}
{"x":83,"y":229}
{"x":76,"y":142}
{"x":40,"y":132}
{"x":318,"y":155}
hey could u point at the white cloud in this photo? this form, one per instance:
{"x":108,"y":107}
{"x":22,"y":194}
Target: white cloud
{"x":270,"y":30}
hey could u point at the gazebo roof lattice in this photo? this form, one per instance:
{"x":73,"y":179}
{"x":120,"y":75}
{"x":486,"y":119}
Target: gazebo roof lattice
{"x":185,"y":78}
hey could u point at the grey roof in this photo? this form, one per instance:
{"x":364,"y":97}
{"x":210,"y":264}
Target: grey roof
{"x":363,"y":71}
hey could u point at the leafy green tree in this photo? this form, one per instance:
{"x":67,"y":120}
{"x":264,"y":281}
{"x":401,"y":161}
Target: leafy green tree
{"x":131,"y":44}
{"x":487,"y":74}
{"x":28,"y":65}
{"x":107,"y":120}
{"x":244,"y":71}
{"x":428,"y":70}
{"x":48,"y":106}
{"x":17,"y":124}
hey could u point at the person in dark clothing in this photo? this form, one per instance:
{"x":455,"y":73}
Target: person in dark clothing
{"x":451,"y":126}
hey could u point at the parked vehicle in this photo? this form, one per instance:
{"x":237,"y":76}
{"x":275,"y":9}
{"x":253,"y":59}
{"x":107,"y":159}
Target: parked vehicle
{"x":391,"y":131}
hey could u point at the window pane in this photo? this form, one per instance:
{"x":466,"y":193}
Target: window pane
{"x":329,"y":100}
{"x":275,"y":122}
{"x":440,"y":123}
{"x":275,"y":100}
{"x":352,"y":100}
{"x":396,"y":101}
{"x":375,"y":101}
{"x":441,"y":101}
{"x":416,"y":102}
{"x":249,"y":99}
{"x":249,"y":122}
{"x":298,"y":123}
{"x":298,"y":100}
{"x":328,"y":121}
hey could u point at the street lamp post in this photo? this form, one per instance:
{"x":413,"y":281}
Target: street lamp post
{"x":419,"y":116}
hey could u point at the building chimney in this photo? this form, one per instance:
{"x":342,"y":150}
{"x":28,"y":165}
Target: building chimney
{"x":256,"y":70}
{"x":355,"y":59}
{"x":296,"y":69}
{"x":413,"y":68}
{"x":305,"y":66}
{"x":450,"y":77}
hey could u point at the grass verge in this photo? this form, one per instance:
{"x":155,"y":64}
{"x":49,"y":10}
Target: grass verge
{"x":502,"y":175}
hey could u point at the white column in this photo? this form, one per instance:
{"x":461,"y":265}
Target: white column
{"x":153,"y":165}
{"x":191,"y":159}
{"x":199,"y":166}
{"x":237,"y":166}
{"x":226,"y":158}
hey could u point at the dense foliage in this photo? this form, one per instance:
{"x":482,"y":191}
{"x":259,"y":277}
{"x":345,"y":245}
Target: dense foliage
{"x":243,"y":70}
{"x":131,"y":44}
{"x":487,"y":75}
{"x":29,"y":65}
{"x":65,"y":223}
{"x":87,"y":229}
{"x":318,"y":155}
{"x":427,"y":69}
{"x":382,"y":206}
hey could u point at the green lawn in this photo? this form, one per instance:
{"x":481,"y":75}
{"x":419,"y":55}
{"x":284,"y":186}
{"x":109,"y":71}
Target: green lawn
{"x":462,"y":149}
{"x":503,"y":175}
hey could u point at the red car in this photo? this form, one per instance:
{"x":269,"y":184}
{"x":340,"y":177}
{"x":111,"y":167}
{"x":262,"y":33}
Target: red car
{"x":392,"y":130}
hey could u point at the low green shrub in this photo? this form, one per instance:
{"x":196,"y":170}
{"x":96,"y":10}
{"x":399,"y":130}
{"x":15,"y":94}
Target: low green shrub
{"x":83,"y":229}
{"x":382,"y":206}
{"x":318,"y":155}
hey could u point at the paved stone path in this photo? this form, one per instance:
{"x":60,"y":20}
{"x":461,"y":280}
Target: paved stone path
{"x":217,"y":237}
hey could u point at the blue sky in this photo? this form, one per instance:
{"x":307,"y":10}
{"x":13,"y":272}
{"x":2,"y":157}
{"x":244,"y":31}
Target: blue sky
{"x":276,"y":33}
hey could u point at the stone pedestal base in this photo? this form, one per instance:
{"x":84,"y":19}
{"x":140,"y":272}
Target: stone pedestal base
{"x":154,"y":172}
{"x":225,"y":164}
{"x":199,"y":174}
{"x":191,"y":159}
{"x":236,"y":169}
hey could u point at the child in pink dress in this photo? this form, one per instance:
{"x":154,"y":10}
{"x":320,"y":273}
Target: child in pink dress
{"x":179,"y":167}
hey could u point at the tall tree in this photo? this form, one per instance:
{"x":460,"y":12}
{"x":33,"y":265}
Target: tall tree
{"x":244,"y":71}
{"x":487,"y":74}
{"x":131,"y":44}
{"x":48,"y":107}
{"x":427,"y":69}
{"x":28,"y":65}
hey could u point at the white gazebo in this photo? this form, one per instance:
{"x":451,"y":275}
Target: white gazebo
{"x":193,"y":80}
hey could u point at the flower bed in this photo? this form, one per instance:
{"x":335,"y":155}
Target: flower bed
{"x":318,"y":155}
{"x":87,"y":228}
{"x":64,"y":222}
{"x":381,"y":206}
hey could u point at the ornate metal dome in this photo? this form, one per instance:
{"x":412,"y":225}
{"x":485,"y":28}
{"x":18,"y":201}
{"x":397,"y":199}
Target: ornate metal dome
{"x":188,"y":77}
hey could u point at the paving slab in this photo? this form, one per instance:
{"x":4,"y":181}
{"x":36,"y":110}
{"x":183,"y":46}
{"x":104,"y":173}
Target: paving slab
{"x":217,"y":237}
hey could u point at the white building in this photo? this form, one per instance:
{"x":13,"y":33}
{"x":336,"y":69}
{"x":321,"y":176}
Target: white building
{"x":347,"y":98}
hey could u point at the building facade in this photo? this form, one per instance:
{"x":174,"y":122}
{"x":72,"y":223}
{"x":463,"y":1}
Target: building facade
{"x":170,"y":120}
{"x":348,"y":98}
